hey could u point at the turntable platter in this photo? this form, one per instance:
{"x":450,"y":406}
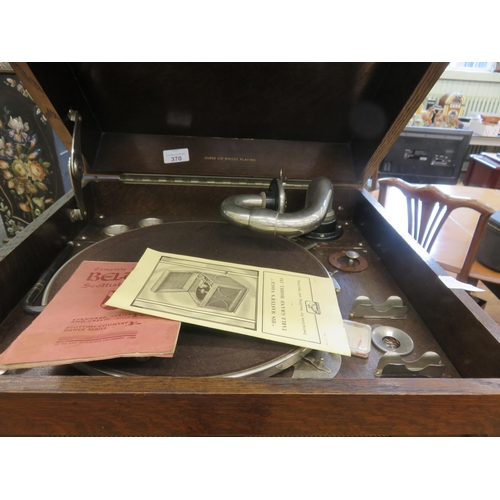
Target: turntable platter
{"x":202,"y":351}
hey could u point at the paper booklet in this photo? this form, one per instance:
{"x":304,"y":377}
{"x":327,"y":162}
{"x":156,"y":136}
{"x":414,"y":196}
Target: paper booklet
{"x":78,"y":326}
{"x":292,"y":308}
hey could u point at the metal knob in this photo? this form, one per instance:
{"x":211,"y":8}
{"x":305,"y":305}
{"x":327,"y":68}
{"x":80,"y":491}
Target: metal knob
{"x":352,"y":256}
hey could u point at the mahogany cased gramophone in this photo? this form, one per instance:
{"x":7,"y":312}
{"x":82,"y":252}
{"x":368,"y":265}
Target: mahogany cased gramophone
{"x":172,"y":143}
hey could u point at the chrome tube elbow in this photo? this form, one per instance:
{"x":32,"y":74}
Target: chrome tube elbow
{"x":249,"y":211}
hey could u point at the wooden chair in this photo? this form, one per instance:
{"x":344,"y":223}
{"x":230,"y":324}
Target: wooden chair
{"x":428,"y":209}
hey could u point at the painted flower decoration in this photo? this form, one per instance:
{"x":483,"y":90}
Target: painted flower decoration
{"x":25,"y":184}
{"x":19,"y":169}
{"x":17,"y":125}
{"x":36,"y":171}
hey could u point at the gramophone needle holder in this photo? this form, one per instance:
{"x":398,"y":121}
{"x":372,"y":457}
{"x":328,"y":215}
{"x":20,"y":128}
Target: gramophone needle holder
{"x":393,"y":365}
{"x":390,"y":339}
{"x":392,"y":308}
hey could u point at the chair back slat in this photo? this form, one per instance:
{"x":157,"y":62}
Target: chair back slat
{"x":426,"y":221}
{"x":438,"y":221}
{"x":412,"y":216}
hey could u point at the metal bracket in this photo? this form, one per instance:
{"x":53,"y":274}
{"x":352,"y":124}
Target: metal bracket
{"x":275,"y":196}
{"x":210,"y":181}
{"x":392,"y":308}
{"x":349,"y":261}
{"x":393,"y":365}
{"x":75,"y":167}
{"x":317,"y":364}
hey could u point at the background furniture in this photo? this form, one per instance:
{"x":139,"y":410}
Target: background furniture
{"x":455,"y":245}
{"x":483,"y":171}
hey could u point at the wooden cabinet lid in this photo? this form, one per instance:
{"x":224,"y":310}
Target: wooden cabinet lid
{"x":246,"y":119}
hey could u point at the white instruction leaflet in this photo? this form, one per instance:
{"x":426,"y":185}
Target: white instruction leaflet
{"x":293,"y":308}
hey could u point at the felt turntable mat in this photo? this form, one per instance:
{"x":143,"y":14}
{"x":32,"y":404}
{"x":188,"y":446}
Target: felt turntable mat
{"x":200,"y":351}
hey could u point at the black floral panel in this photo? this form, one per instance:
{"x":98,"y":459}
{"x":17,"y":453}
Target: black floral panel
{"x":30,"y":178}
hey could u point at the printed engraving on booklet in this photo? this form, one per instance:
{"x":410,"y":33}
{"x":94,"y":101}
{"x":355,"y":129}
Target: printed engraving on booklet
{"x":224,"y":293}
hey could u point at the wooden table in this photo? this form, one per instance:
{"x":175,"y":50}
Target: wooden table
{"x":453,"y":241}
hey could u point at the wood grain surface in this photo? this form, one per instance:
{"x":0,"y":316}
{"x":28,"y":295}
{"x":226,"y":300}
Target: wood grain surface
{"x":356,"y":107}
{"x":253,"y":102}
{"x":62,"y":401}
{"x":145,"y":406}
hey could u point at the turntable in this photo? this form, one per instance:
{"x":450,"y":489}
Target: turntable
{"x":201,"y":351}
{"x":159,"y":151}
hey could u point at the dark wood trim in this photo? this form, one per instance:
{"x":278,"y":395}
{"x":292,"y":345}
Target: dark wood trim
{"x":398,"y":102}
{"x":106,"y":406}
{"x":57,"y":81}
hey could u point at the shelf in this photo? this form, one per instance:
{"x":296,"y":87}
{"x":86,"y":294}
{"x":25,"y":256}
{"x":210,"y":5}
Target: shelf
{"x":479,"y":140}
{"x":471,"y":76}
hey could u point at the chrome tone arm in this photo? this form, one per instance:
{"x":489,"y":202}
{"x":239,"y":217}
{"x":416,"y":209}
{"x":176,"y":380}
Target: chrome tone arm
{"x":249,"y":211}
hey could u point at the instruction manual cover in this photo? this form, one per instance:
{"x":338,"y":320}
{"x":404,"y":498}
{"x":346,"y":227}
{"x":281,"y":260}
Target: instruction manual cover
{"x":78,"y":326}
{"x":293,"y":308}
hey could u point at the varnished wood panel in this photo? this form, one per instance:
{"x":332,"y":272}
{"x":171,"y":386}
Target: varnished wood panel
{"x":194,"y":201}
{"x":276,"y":101}
{"x":470,"y":338}
{"x":50,"y":404}
{"x":359,"y":106}
{"x":142,"y":406}
{"x":132,"y":153}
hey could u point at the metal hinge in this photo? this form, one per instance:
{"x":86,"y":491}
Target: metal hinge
{"x":216,"y":181}
{"x":75,"y":167}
